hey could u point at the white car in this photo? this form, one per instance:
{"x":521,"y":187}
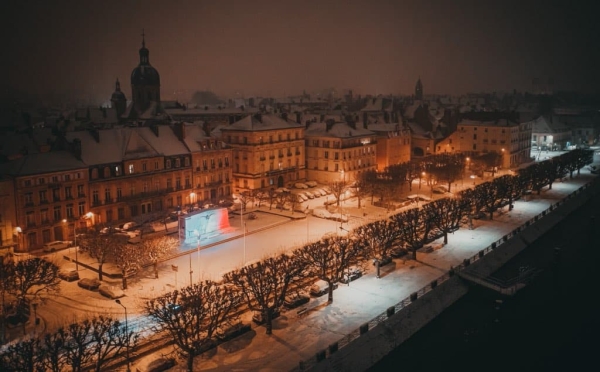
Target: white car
{"x":308,"y":194}
{"x":439,"y":189}
{"x":56,"y":246}
{"x":311,"y":183}
{"x":300,"y":185}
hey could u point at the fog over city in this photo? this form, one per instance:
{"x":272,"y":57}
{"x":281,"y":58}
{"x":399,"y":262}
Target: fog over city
{"x":278,"y":48}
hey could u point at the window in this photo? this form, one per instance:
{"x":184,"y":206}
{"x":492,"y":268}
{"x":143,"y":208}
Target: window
{"x":30,"y":219}
{"x":121,"y":213}
{"x":475,"y":136}
{"x":168,"y":165}
{"x":117,"y":170}
{"x":186,"y":161}
{"x":28,"y":199}
{"x":95,"y":197}
{"x":326,"y":154}
{"x":43,"y":196}
{"x":81,"y":208}
{"x":56,"y":194}
{"x":69,"y":210}
{"x":130,"y":168}
{"x":107,"y":195}
{"x":177,"y":163}
{"x":27,"y":182}
{"x":106,"y":172}
{"x":144,"y":166}
{"x":57,"y":214}
{"x":80,"y":192}
{"x":41,"y":181}
{"x":67,"y":177}
{"x":68,"y":192}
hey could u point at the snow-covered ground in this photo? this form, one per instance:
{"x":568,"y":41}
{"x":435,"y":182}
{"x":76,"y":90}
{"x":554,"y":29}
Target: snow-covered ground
{"x":295,"y":337}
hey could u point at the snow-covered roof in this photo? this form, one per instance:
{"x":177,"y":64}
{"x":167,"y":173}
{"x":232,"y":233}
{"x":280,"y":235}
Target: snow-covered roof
{"x":263,"y":122}
{"x":40,"y":163}
{"x":544,"y":124}
{"x":488,"y":123}
{"x":166,"y":143}
{"x":337,"y":130}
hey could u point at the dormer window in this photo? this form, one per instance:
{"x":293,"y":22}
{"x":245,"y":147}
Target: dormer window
{"x":131,"y":169}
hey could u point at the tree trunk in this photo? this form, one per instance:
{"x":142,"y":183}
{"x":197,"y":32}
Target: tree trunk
{"x":491,"y":215}
{"x":445,"y":237}
{"x":100,"y":272}
{"x":269,"y":320}
{"x":155,"y":264}
{"x":190,"y":361}
{"x":330,"y":295}
{"x":124,"y":280}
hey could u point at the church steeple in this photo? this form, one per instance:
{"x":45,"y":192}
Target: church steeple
{"x":144,"y":53}
{"x":419,"y":90}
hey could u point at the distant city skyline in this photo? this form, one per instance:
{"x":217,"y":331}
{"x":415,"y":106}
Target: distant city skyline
{"x":277,"y":48}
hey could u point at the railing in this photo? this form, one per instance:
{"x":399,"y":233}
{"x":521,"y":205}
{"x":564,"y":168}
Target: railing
{"x":347,"y":339}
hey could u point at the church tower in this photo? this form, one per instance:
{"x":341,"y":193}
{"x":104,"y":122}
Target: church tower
{"x":145,"y":82}
{"x":419,"y":90}
{"x":118,"y":100}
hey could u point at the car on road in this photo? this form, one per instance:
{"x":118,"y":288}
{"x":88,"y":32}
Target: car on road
{"x":310,"y":183}
{"x":300,"y":185}
{"x":353,"y":273}
{"x":111,"y":292}
{"x":91,"y":284}
{"x":128,"y":226}
{"x":320,"y":288}
{"x":69,"y":275}
{"x":295,"y":299}
{"x":56,"y":245}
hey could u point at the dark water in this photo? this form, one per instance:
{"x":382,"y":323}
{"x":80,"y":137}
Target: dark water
{"x":551,"y":325}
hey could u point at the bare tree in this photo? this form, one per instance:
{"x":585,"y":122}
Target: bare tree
{"x":99,"y":246}
{"x":265,"y":284}
{"x":22,"y":356}
{"x":157,"y":249}
{"x":77,"y":350}
{"x":329,"y":259}
{"x":338,"y":188}
{"x":362,"y":186}
{"x":192,"y":314}
{"x":378,"y":237}
{"x":128,"y":258}
{"x":109,"y":338}
{"x":52,"y":351}
{"x":271,"y":196}
{"x":414,"y":226}
{"x":7,"y":282}
{"x":245,"y":197}
{"x":446,"y":214}
{"x":34,"y":276}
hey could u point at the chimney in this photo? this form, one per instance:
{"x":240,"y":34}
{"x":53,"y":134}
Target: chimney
{"x":154,"y":129}
{"x":298,"y":118}
{"x":180,"y":131}
{"x":76,"y":148}
{"x":284,"y":116}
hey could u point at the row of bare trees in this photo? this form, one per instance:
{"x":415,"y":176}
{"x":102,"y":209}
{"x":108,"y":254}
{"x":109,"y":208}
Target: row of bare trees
{"x":85,"y":345}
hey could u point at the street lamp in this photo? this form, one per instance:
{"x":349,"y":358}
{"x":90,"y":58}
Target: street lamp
{"x":126,"y":334}
{"x":306,"y":213}
{"x":74,"y":244}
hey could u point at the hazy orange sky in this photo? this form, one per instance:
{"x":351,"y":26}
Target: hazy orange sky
{"x":282,"y":47}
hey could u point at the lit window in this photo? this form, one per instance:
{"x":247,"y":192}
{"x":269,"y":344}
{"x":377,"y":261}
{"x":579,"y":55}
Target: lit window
{"x":130,"y":168}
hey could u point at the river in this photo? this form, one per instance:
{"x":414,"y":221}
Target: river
{"x":550,"y":325}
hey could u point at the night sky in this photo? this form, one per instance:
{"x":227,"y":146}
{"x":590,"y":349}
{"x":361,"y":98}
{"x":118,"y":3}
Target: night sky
{"x":276,"y":47}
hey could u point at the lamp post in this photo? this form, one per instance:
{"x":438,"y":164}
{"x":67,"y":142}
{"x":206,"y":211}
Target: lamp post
{"x":502,"y":160}
{"x":126,"y":334}
{"x":306,"y":213}
{"x":74,"y":243}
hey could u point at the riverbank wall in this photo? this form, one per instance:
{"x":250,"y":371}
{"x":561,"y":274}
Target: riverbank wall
{"x":372,"y":341}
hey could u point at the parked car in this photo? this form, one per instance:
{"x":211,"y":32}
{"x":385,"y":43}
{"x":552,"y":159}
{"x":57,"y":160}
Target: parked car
{"x":56,"y":245}
{"x":320,"y":288}
{"x":321,"y":213}
{"x":300,"y":185}
{"x":229,"y":330}
{"x":301,"y":197}
{"x":128,"y":226}
{"x":69,"y":275}
{"x":110,"y":292}
{"x":91,"y":284}
{"x":353,"y":273}
{"x":384,"y":261}
{"x":309,"y":194}
{"x":439,"y":189}
{"x":259,"y":317}
{"x":310,"y":183}
{"x":296,"y":299}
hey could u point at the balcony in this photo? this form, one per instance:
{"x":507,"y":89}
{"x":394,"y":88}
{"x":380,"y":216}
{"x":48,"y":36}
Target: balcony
{"x":289,"y":154}
{"x":197,"y":169}
{"x":262,"y":158}
{"x":297,"y":152}
{"x":280,"y":171}
{"x":29,"y":204}
{"x":80,"y":195}
{"x":96,"y":203}
{"x":45,"y":201}
{"x":272,"y":157}
{"x":30,"y":224}
{"x":281,"y":155}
